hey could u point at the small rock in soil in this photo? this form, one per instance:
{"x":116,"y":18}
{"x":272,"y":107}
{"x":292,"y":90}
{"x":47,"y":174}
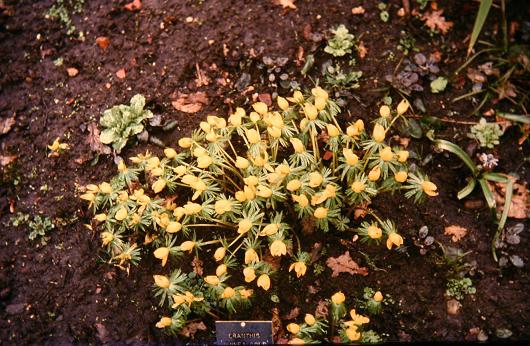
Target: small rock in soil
{"x":243,"y":81}
{"x":453,"y":307}
{"x":474,"y":204}
{"x":517,"y":261}
{"x":72,"y":71}
{"x":15,"y":309}
{"x":503,"y":333}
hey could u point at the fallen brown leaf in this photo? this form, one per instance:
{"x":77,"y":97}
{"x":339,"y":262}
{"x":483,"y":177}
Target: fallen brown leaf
{"x":72,"y":71}
{"x":506,"y":90}
{"x":265,"y":98}
{"x":456,"y":232}
{"x":520,"y":205}
{"x":103,"y":42}
{"x":345,"y":264}
{"x":285,"y":3}
{"x":135,"y":5}
{"x":190,"y":103}
{"x":196,"y":263}
{"x":361,"y":210}
{"x":274,"y":261}
{"x":361,"y":49}
{"x":475,"y":76}
{"x":293,"y":314}
{"x":322,"y":309}
{"x":120,"y":73}
{"x":93,"y":140}
{"x":6,"y":125}
{"x":191,"y":329}
{"x":435,"y":21}
{"x":6,"y":160}
{"x":358,"y":10}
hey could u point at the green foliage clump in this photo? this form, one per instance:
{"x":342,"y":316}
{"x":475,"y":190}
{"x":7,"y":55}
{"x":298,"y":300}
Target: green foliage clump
{"x":341,"y":43}
{"x":459,"y":288}
{"x":59,"y":10}
{"x":122,"y":121}
{"x":336,"y":78}
{"x":39,"y":226}
{"x":438,"y":85}
{"x":487,"y":134}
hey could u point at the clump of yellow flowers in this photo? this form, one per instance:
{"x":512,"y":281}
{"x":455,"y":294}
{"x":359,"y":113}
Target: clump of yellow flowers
{"x":241,"y":183}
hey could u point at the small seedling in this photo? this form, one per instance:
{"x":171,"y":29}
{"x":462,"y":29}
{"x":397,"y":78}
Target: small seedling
{"x":487,"y":134}
{"x":459,"y":288}
{"x":39,"y":225}
{"x":341,"y":43}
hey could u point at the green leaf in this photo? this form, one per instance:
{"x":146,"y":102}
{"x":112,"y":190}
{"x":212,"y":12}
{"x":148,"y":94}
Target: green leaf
{"x":496,"y":177}
{"x":487,"y":193}
{"x":467,"y":189}
{"x":438,"y":85}
{"x":107,"y":136}
{"x":138,"y":103}
{"x":455,"y":149}
{"x":507,"y":204}
{"x":480,"y":19}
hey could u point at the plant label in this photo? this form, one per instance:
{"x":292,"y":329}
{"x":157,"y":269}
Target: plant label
{"x":244,"y":332}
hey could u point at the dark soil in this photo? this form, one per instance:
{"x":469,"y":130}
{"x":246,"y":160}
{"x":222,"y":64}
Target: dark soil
{"x":62,"y":292}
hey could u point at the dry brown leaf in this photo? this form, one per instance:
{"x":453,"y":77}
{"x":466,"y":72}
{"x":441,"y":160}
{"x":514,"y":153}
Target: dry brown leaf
{"x":345,"y":264}
{"x":456,"y":232}
{"x":286,"y":3}
{"x":322,"y":309}
{"x":293,"y":314}
{"x":197,"y":266}
{"x":191,"y":329}
{"x":72,"y":71}
{"x":361,"y":210}
{"x":93,"y":140}
{"x":361,"y":49}
{"x":103,"y":42}
{"x":121,"y":73}
{"x":476,"y":76}
{"x":358,"y":10}
{"x":6,"y":125}
{"x":435,"y":21}
{"x":506,"y":90}
{"x":273,"y":261}
{"x":6,"y":160}
{"x":520,"y":205}
{"x":190,"y":103}
{"x":135,"y":5}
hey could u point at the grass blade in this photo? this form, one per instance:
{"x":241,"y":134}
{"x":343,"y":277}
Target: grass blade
{"x":525,"y":119}
{"x":455,"y":149}
{"x":496,"y":177}
{"x":480,"y":19}
{"x":487,"y":193}
{"x":504,"y":216}
{"x":467,"y":189}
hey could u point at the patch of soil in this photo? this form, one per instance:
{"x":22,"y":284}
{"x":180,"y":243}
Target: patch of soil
{"x":62,"y":292}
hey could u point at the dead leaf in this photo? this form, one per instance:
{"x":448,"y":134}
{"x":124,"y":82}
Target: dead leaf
{"x":93,"y":140}
{"x":135,"y":5}
{"x":103,"y":42}
{"x":72,"y":71}
{"x":345,"y":264}
{"x":191,"y":329}
{"x":361,"y":49}
{"x":197,"y":266}
{"x":520,"y":205}
{"x":293,"y":314}
{"x":265,"y":98}
{"x":506,"y":90}
{"x":435,"y":21}
{"x":358,"y":10}
{"x":476,"y":76}
{"x":328,"y":155}
{"x":6,"y":160}
{"x":361,"y":210}
{"x":286,"y":3}
{"x":120,"y":73}
{"x":272,"y":260}
{"x":322,"y":309}
{"x":316,"y":253}
{"x":489,"y":70}
{"x":6,"y":125}
{"x":201,"y":77}
{"x":457,"y":232}
{"x":299,"y":56}
{"x":190,"y":103}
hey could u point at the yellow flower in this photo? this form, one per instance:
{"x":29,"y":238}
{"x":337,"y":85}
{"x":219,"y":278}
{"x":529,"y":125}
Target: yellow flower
{"x":170,"y":153}
{"x":242,"y":163}
{"x":105,"y":188}
{"x":223,"y":206}
{"x":400,"y":176}
{"x":206,"y":127}
{"x":402,"y":155}
{"x":221,"y":269}
{"x":249,"y":273}
{"x":357,"y":320}
{"x":162,"y":253}
{"x":100,"y":217}
{"x":338,"y":298}
{"x":263,"y":191}
{"x":57,"y":146}
{"x":293,"y":185}
{"x":251,"y":256}
{"x":303,"y":123}
{"x":253,"y":136}
{"x":356,"y":129}
{"x":293,"y":328}
{"x":157,"y":171}
{"x":204,"y":161}
{"x":185,"y":142}
{"x":240,"y":196}
{"x":320,"y":103}
{"x":219,"y":253}
{"x":88,"y":197}
{"x":121,"y":214}
{"x":179,"y":212}
{"x":159,"y":185}
{"x":228,"y":293}
{"x":244,"y":226}
{"x":310,"y":111}
{"x":332,"y":130}
{"x":245,"y":294}
{"x":403,"y":106}
{"x":106,"y":238}
{"x":188,"y":245}
{"x":191,"y":208}
{"x":321,"y":213}
{"x":212,"y":280}
{"x":301,"y":200}
{"x":378,"y":296}
{"x":282,"y":103}
{"x":274,"y":132}
{"x":386,"y":154}
{"x":161,"y":281}
{"x":122,"y":167}
{"x":270,"y":229}
{"x":297,"y":145}
{"x":319,"y":92}
{"x":260,"y":107}
{"x":429,"y":188}
{"x":299,"y":268}
{"x":264,"y":282}
{"x":379,"y":133}
{"x":374,"y":232}
{"x":351,"y":158}
{"x":352,"y":334}
{"x":164,"y":322}
{"x":173,"y":227}
{"x":254,"y":117}
{"x":310,"y":319}
{"x":235,"y":119}
{"x":187,"y":297}
{"x":384,"y":111}
{"x":394,"y":239}
{"x":315,"y":179}
{"x":251,"y":180}
{"x":374,"y":174}
{"x":278,"y":248}
{"x":298,"y":97}
{"x":296,"y":341}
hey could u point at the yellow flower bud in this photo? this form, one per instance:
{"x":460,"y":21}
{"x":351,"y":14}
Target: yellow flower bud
{"x":253,"y":136}
{"x":378,"y":296}
{"x":242,"y":163}
{"x":251,"y":256}
{"x":274,"y":132}
{"x":300,"y":268}
{"x":228,"y":293}
{"x":303,"y":123}
{"x":164,"y":322}
{"x":374,"y":174}
{"x":403,"y":106}
{"x":221,"y":270}
{"x":188,"y":245}
{"x":293,"y":185}
{"x":384,"y":111}
{"x":173,"y":227}
{"x":204,"y":161}
{"x":223,"y":206}
{"x":352,"y":334}
{"x":263,"y":191}
{"x":106,"y":238}
{"x":338,"y":298}
{"x":293,"y":328}
{"x":282,"y":103}
{"x":315,"y":179}
{"x":245,"y":294}
{"x":159,"y":185}
{"x":297,"y":145}
{"x":100,"y":217}
{"x":249,"y":273}
{"x":254,"y":117}
{"x":386,"y":154}
{"x":185,"y":142}
{"x":251,"y":180}
{"x":121,"y":214}
{"x":264,"y":282}
{"x":240,"y":196}
{"x":429,"y":188}
{"x":211,"y":136}
{"x":310,"y":319}
{"x":235,"y":120}
{"x":161,"y":281}
{"x":219,"y":254}
{"x":198,"y":152}
{"x":170,"y":153}
{"x":278,"y":248}
{"x":402,"y":155}
{"x":400,"y":176}
{"x":302,"y":200}
{"x":332,"y":130}
{"x":321,"y":213}
{"x":250,"y":192}
{"x":298,"y":97}
{"x":351,"y":158}
{"x":310,"y":111}
{"x":244,"y":226}
{"x":212,"y":280}
{"x":191,"y":208}
{"x":260,"y":107}
{"x":320,"y":103}
{"x":162,"y":253}
{"x":374,"y":232}
{"x":105,"y":188}
{"x":394,"y":239}
{"x":270,"y":229}
{"x":319,"y":92}
{"x":379,"y":133}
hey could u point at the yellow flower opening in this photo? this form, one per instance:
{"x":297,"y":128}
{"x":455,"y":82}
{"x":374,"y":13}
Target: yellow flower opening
{"x":282,"y":103}
{"x":378,"y":296}
{"x":106,"y":238}
{"x":223,"y":206}
{"x":310,"y":111}
{"x":221,"y":270}
{"x":161,"y":281}
{"x":293,"y":328}
{"x":264,"y":282}
{"x":162,"y":253}
{"x":429,"y":188}
{"x":228,"y":293}
{"x":164,"y":322}
{"x":212,"y":280}
{"x":374,"y":232}
{"x":253,"y":136}
{"x":170,"y":153}
{"x":251,"y":256}
{"x":338,"y":298}
{"x":173,"y":227}
{"x":379,"y":133}
{"x":299,"y":268}
{"x":249,"y":273}
{"x":204,"y":161}
{"x":315,"y":179}
{"x":278,"y":248}
{"x":386,"y":154}
{"x":219,"y":253}
{"x":403,"y":106}
{"x":242,"y":163}
{"x":358,"y":186}
{"x":159,"y":185}
{"x":352,"y":334}
{"x":105,"y":188}
{"x":293,"y":185}
{"x":374,"y":174}
{"x":320,"y":103}
{"x":244,"y":226}
{"x":302,"y":200}
{"x":297,"y":145}
{"x":100,"y":217}
{"x":260,"y":108}
{"x":185,"y":142}
{"x":332,"y":130}
{"x":357,"y":320}
{"x":402,"y":156}
{"x":188,"y":245}
{"x":121,"y":214}
{"x":351,"y":158}
{"x":394,"y":239}
{"x":400,"y":176}
{"x":321,"y":213}
{"x":310,"y":319}
{"x":245,"y":294}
